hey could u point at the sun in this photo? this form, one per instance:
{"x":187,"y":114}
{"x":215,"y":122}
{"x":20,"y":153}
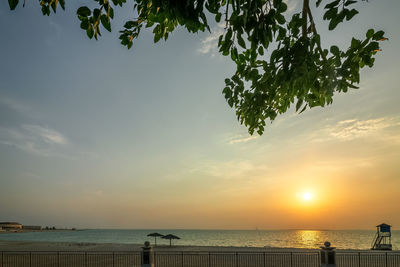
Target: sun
{"x":307,"y":196}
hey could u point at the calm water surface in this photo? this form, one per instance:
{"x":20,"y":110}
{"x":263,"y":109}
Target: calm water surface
{"x":343,"y":239}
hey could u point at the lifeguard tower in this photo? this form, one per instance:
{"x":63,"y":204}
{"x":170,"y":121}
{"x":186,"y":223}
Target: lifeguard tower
{"x":383,"y":238}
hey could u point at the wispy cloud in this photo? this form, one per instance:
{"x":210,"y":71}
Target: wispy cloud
{"x":15,"y":105}
{"x":33,"y":139}
{"x":241,"y":139}
{"x":383,"y":128}
{"x":47,"y":135}
{"x":236,"y":169}
{"x":27,"y":133}
{"x":210,"y":44}
{"x":351,"y":129}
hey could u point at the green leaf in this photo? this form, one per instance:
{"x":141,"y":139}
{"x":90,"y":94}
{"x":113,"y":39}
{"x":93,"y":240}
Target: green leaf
{"x":261,"y":50}
{"x":299,"y":103}
{"x":335,"y":50}
{"x":157,"y":37}
{"x":370,"y":33}
{"x":334,"y":22}
{"x":130,"y":44}
{"x":241,"y":41}
{"x":13,"y":4}
{"x":282,"y":7}
{"x":111,"y":13}
{"x":303,"y":109}
{"x":349,"y":2}
{"x":96,"y":13}
{"x":228,"y":35}
{"x":332,"y":4}
{"x":105,"y":22}
{"x":378,"y":35}
{"x":62,"y":4}
{"x":351,"y":14}
{"x":130,"y":24}
{"x":280,"y":19}
{"x":54,"y":6}
{"x":45,"y":10}
{"x":83,"y":11}
{"x":330,"y":14}
{"x":85,"y":24}
{"x":220,"y":40}
{"x":90,"y":32}
{"x":218,"y":17}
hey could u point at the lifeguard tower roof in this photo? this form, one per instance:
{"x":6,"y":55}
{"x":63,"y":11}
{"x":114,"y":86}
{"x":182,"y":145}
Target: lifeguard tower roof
{"x":383,"y":225}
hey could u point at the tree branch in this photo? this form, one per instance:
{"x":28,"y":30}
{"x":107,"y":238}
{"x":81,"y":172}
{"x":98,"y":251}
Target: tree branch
{"x":305,"y":20}
{"x":314,"y":29}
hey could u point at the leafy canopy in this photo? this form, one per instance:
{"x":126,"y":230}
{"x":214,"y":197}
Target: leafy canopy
{"x":299,"y":70}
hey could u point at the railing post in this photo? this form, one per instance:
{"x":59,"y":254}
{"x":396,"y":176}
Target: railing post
{"x":264,"y":259}
{"x":236,"y":259}
{"x":328,"y":255}
{"x":386,"y":263}
{"x":147,"y":255}
{"x":209,"y":259}
{"x":319,"y":257}
{"x":291,"y":259}
{"x":359,"y":259}
{"x":58,"y":259}
{"x":182,"y":260}
{"x":113,"y":259}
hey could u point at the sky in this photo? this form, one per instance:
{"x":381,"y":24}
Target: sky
{"x":93,"y":135}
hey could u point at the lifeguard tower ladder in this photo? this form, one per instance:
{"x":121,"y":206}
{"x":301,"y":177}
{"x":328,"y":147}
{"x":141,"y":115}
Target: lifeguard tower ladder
{"x":383,"y":238}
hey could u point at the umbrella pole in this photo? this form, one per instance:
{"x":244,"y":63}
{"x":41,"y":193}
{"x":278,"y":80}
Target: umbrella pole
{"x":170,"y":242}
{"x":155,"y":241}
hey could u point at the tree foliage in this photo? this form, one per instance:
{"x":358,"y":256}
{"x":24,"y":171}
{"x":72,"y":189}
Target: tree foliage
{"x":298,"y":70}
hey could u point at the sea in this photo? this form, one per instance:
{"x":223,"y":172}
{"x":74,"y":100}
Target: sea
{"x":311,"y":239}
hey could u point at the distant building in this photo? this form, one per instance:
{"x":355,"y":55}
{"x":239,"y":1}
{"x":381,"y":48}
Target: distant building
{"x":10,"y":225}
{"x":31,"y":227}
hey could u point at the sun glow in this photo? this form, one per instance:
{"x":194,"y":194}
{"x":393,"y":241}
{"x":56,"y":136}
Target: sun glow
{"x":307,"y":196}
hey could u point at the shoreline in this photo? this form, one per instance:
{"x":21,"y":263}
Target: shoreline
{"x":45,"y":246}
{"x":21,"y":231}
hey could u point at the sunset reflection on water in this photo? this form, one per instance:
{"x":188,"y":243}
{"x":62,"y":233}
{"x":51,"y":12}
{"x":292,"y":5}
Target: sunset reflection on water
{"x":308,"y":238}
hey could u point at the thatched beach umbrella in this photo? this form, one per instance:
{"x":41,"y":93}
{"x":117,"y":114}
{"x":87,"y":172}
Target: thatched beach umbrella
{"x":170,"y":237}
{"x":155,"y":235}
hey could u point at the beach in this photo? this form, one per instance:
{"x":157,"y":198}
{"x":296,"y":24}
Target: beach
{"x":109,"y":247}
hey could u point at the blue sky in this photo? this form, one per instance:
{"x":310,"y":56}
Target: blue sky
{"x":94,"y":135}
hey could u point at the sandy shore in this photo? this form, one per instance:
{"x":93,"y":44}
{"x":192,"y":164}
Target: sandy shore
{"x":64,"y":246}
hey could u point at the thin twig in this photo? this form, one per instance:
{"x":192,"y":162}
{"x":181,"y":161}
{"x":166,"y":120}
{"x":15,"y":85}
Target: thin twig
{"x":226,"y":14}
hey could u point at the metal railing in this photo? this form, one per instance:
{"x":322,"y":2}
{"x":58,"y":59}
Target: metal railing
{"x":195,"y":259}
